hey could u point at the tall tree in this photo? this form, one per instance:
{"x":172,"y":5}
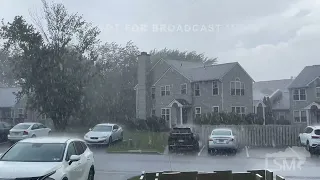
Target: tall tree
{"x":53,"y":66}
{"x":176,"y":54}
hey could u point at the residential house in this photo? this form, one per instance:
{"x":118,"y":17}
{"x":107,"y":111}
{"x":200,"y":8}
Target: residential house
{"x":178,"y":91}
{"x":278,"y":93}
{"x":13,"y":111}
{"x":305,"y":96}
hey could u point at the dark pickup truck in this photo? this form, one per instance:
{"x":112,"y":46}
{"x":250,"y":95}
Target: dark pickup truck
{"x":184,"y":139}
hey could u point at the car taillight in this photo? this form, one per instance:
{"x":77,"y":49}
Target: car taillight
{"x":25,"y":133}
{"x":315,"y":137}
{"x":210,"y":139}
{"x":231,"y":139}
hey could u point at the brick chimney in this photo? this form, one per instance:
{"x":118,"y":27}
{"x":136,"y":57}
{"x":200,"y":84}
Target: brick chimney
{"x":143,"y":86}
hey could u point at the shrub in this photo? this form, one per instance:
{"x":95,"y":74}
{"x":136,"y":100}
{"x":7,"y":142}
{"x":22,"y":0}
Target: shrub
{"x":154,"y":124}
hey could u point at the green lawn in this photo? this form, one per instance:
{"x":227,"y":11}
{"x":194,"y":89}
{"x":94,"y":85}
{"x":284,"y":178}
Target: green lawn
{"x":135,"y":178}
{"x":141,"y":140}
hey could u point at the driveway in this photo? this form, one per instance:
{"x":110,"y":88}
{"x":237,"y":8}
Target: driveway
{"x":123,"y":166}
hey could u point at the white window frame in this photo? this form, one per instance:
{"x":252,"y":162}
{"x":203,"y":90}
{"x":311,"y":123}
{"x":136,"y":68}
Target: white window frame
{"x":167,"y":89}
{"x":161,"y":90}
{"x":317,"y":93}
{"x":215,"y":107}
{"x":241,"y":113}
{"x":181,"y":88}
{"x":300,"y":117}
{"x":281,"y":114}
{"x":196,"y":89}
{"x":195,"y":111}
{"x":299,"y":94}
{"x":43,"y":115}
{"x":153,"y":110}
{"x":165,"y":114}
{"x":217,"y":87}
{"x":153,"y":92}
{"x":237,"y":83}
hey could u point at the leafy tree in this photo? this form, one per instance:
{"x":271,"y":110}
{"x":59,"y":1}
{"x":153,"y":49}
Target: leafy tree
{"x":53,"y":66}
{"x":181,"y":55}
{"x":268,"y":111}
{"x":6,"y":75}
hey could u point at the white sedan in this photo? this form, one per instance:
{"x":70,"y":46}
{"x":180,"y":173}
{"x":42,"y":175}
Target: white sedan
{"x":48,"y":158}
{"x":27,"y":130}
{"x":104,"y":134}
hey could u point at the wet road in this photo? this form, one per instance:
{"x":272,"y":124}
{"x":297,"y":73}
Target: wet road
{"x":123,"y":166}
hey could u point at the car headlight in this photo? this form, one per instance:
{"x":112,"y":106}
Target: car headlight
{"x":86,"y":136}
{"x":46,"y":177}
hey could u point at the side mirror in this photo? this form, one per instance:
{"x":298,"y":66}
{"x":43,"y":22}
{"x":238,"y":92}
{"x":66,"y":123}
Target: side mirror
{"x":114,"y":130}
{"x":74,"y":158}
{"x":90,"y":129}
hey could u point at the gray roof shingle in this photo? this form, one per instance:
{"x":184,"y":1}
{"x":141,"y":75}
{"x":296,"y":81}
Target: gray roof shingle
{"x":7,"y":98}
{"x":308,"y":74}
{"x":266,"y":88}
{"x":199,"y":72}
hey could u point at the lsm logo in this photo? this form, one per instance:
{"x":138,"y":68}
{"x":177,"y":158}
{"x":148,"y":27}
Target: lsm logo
{"x":289,"y":160}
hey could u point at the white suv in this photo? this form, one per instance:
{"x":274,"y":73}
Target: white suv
{"x":48,"y":158}
{"x":310,"y":138}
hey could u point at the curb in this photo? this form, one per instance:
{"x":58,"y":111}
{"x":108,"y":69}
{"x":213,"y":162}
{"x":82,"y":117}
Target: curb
{"x":135,"y":152}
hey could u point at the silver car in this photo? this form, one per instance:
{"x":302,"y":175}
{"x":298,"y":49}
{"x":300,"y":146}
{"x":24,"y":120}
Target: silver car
{"x":222,"y":139}
{"x":104,"y":134}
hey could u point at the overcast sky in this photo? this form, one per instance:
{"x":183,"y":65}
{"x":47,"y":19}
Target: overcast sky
{"x":271,"y":39}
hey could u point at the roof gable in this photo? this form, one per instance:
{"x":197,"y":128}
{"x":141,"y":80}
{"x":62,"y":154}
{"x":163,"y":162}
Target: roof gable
{"x":307,"y":75}
{"x":266,"y":88}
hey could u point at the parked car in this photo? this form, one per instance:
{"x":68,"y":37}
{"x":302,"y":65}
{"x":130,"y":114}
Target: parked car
{"x":27,"y":130}
{"x":310,"y":138}
{"x":104,"y":134}
{"x":4,"y":131}
{"x":183,"y":139}
{"x":48,"y":158}
{"x":222,"y":139}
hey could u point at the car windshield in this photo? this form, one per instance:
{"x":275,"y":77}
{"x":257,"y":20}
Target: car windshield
{"x":221,"y":133}
{"x":102,"y":128}
{"x":35,"y":152}
{"x":21,"y":126}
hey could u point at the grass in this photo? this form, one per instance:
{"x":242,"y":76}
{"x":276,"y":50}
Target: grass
{"x":135,"y":178}
{"x":141,"y":140}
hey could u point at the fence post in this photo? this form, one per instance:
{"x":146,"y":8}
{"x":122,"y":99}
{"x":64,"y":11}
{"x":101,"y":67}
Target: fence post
{"x":269,"y":175}
{"x":226,"y":175}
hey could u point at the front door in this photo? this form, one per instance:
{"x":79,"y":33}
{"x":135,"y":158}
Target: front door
{"x":184,"y":115}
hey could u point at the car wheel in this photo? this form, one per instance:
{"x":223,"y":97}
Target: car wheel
{"x":49,"y":133}
{"x":299,"y":142}
{"x":91,"y":174}
{"x":209,"y":151}
{"x":307,"y":146}
{"x":121,"y":136}
{"x":33,"y":136}
{"x":110,"y":141}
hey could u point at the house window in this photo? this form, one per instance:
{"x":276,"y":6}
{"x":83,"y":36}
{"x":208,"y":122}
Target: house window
{"x":165,"y":114}
{"x":237,"y":88}
{"x":20,"y":112}
{"x":318,"y":92}
{"x":43,"y":116}
{"x":215,"y":109}
{"x":215,"y":88}
{"x":165,"y":90}
{"x":299,"y":95}
{"x":300,"y":116}
{"x":183,"y":88}
{"x":197,"y":111}
{"x":153,"y":92}
{"x":281,"y":116}
{"x":241,"y":110}
{"x":196,"y":89}
{"x":153,"y":112}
